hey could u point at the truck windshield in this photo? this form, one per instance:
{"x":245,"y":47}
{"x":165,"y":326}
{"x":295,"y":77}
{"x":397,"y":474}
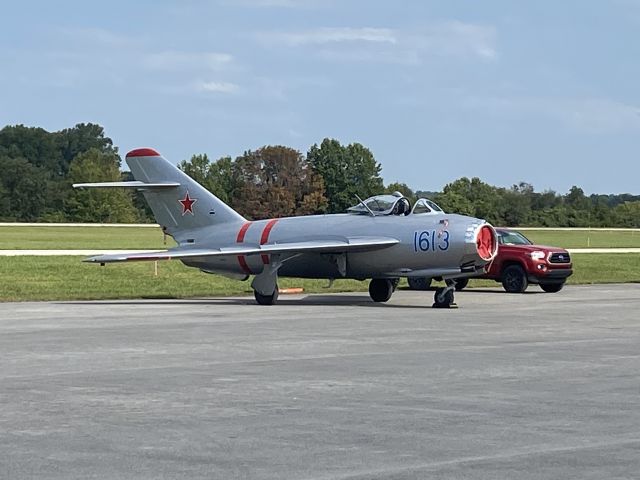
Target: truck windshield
{"x":512,"y":238}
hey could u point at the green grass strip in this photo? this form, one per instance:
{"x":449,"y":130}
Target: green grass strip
{"x":67,"y":278}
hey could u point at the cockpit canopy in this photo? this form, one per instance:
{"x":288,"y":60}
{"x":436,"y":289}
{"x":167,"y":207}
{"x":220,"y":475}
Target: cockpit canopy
{"x":424,"y":205}
{"x":394,"y":204}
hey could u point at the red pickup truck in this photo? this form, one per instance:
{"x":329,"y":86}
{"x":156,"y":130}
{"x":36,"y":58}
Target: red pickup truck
{"x":519,"y":262}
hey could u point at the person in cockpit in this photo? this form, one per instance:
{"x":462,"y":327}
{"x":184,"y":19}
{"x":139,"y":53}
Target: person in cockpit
{"x":402,"y":206}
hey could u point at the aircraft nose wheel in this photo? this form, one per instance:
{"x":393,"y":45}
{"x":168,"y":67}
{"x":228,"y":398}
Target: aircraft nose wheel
{"x":443,"y":298}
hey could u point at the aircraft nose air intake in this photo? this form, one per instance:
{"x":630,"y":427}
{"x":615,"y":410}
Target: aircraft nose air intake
{"x":486,"y":242}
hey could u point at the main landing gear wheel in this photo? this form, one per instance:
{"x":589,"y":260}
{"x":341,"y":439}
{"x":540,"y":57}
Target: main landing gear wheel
{"x":461,"y":283}
{"x":419,"y":283}
{"x":266,"y":299}
{"x":443,"y":298}
{"x":380,"y":289}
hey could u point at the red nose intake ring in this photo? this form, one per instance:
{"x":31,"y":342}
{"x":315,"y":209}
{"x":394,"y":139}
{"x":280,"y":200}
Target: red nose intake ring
{"x":486,"y":243}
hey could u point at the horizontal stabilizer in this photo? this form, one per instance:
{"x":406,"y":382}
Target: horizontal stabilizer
{"x":132,"y":184}
{"x":318,"y":246}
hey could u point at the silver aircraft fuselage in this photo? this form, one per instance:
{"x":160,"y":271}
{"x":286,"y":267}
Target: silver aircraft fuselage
{"x":428,"y":244}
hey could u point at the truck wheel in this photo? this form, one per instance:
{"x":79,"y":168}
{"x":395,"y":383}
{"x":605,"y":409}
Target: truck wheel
{"x":417,"y":283}
{"x":514,"y":279}
{"x":380,"y":289}
{"x":461,"y":283}
{"x":551,"y":287}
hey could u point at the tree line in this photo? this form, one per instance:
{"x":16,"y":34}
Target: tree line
{"x":38,"y":168}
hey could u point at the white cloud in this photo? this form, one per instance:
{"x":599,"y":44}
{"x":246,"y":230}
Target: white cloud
{"x":385,"y":45}
{"x":177,"y":60}
{"x":322,"y":36}
{"x":217,"y":87}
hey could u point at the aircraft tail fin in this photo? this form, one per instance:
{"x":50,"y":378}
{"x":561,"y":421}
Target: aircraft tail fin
{"x":179,"y":203}
{"x":183,"y":208}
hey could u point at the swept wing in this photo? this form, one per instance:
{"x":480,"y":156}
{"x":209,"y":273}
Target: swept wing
{"x":348,"y":244}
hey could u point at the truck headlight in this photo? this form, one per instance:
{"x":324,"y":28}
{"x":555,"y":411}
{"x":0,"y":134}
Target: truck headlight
{"x":537,"y":255}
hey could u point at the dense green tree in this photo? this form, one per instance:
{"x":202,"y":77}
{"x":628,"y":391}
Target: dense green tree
{"x":98,"y":205}
{"x":38,"y":168}
{"x":454,"y":202}
{"x":472,"y":197}
{"x":576,"y":199}
{"x":627,"y":214}
{"x":347,"y":171}
{"x":276,"y":181}
{"x":48,"y":157}
{"x":79,"y":139}
{"x":35,"y":145}
{"x":515,"y":208}
{"x":23,"y":190}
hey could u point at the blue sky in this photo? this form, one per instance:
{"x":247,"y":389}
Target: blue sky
{"x":545,"y":92}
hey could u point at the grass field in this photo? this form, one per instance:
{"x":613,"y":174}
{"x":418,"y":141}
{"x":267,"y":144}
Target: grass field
{"x":72,"y":238}
{"x":135,"y":238}
{"x":67,"y":278}
{"x":585,"y":239}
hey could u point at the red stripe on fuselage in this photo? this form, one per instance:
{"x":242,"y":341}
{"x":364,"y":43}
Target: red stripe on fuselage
{"x":264,"y":238}
{"x":242,"y":261}
{"x":242,"y":232}
{"x":243,"y":264}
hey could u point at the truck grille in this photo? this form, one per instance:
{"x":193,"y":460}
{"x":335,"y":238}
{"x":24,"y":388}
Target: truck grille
{"x":560,"y":258}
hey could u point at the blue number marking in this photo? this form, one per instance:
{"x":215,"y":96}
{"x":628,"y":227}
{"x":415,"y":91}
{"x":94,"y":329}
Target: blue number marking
{"x":423,"y":241}
{"x":426,"y":240}
{"x":445,"y":241}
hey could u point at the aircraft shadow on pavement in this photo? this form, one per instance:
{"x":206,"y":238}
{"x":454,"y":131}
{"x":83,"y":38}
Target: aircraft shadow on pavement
{"x":501,"y":291}
{"x":309,"y":300}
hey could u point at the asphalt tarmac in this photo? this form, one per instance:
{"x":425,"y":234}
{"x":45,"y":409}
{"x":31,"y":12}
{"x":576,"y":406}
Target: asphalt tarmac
{"x":520,"y":387}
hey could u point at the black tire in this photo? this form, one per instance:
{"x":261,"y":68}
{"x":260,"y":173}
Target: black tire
{"x":419,"y":283}
{"x":266,"y":299}
{"x":380,"y":289}
{"x":443,"y":301}
{"x":551,"y":287}
{"x":461,"y":284}
{"x":514,"y":279}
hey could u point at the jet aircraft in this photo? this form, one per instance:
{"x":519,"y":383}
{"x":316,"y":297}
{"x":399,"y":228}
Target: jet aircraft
{"x":381,"y":239}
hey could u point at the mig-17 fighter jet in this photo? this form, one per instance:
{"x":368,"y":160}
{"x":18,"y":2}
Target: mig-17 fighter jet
{"x":381,"y":238}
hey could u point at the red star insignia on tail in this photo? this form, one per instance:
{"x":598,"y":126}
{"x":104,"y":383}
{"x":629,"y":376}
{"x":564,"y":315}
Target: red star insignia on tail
{"x":187,"y":203}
